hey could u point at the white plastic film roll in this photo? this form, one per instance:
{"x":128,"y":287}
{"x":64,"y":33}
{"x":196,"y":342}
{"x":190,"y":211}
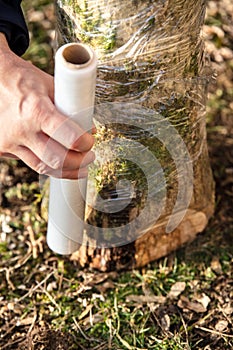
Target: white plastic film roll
{"x":74,"y":81}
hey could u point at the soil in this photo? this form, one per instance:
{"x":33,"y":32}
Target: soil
{"x":218,"y":33}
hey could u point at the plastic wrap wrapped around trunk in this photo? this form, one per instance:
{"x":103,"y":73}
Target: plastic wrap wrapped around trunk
{"x":151,"y":187}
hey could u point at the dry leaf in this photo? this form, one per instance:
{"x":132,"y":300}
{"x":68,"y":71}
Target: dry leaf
{"x":144,"y":299}
{"x":100,"y":278}
{"x":176,"y":289}
{"x":105,"y":286}
{"x":85,"y":312}
{"x":227,"y":309}
{"x":204,"y":300}
{"x":51,"y":286}
{"x":221,"y":325}
{"x":184,"y":303}
{"x":166,"y":322}
{"x":25,"y":322}
{"x":216,"y":265}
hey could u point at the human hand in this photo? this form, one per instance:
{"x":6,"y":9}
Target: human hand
{"x":29,"y":121}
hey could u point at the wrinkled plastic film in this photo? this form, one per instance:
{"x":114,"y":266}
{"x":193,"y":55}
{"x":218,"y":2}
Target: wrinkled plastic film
{"x":150,"y":105}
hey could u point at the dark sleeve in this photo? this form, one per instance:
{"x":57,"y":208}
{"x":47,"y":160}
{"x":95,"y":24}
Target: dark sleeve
{"x":12,"y":24}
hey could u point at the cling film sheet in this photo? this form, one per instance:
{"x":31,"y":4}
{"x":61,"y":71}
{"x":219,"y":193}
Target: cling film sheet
{"x":151,"y":156}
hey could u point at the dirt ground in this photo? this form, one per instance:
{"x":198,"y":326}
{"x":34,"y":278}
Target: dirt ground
{"x":216,"y":326}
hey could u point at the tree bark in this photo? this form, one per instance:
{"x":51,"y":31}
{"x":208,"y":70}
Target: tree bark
{"x":152,"y":188}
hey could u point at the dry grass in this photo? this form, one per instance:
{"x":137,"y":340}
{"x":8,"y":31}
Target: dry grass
{"x":181,"y":302}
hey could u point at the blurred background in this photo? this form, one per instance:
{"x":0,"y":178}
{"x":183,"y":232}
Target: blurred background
{"x":184,"y":301}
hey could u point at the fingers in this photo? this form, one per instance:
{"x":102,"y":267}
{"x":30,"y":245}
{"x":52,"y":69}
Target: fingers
{"x":8,"y":155}
{"x":55,"y":156}
{"x":71,"y":174}
{"x":60,"y":147}
{"x":74,"y":164}
{"x":33,"y":129}
{"x":65,"y":131}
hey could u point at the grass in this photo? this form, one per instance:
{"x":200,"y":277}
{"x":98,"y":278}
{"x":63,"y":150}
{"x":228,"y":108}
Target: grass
{"x":183,"y":301}
{"x":128,"y":310}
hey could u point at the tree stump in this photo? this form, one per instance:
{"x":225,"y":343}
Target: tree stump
{"x":151,"y":188}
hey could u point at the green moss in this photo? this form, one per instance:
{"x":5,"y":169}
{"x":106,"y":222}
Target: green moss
{"x":91,"y":24}
{"x":3,"y":247}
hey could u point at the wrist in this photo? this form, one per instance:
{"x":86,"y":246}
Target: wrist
{"x":3,"y":41}
{"x":4,"y":47}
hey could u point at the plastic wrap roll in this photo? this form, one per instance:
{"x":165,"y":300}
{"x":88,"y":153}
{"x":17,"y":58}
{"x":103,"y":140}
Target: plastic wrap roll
{"x":151,"y":177}
{"x":75,"y":80}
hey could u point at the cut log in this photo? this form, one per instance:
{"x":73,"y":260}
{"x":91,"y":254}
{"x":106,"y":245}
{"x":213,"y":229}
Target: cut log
{"x":151,"y":188}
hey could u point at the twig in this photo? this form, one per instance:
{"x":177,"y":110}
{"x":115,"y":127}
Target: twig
{"x":225,"y":315}
{"x":32,"y":290}
{"x":51,"y":299}
{"x":6,"y":346}
{"x":34,"y":244}
{"x":212,"y":331}
{"x":9,"y":330}
{"x":33,"y":322}
{"x":124,"y":342}
{"x":22,"y":261}
{"x":186,"y":331}
{"x":83,"y":334}
{"x":9,"y":270}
